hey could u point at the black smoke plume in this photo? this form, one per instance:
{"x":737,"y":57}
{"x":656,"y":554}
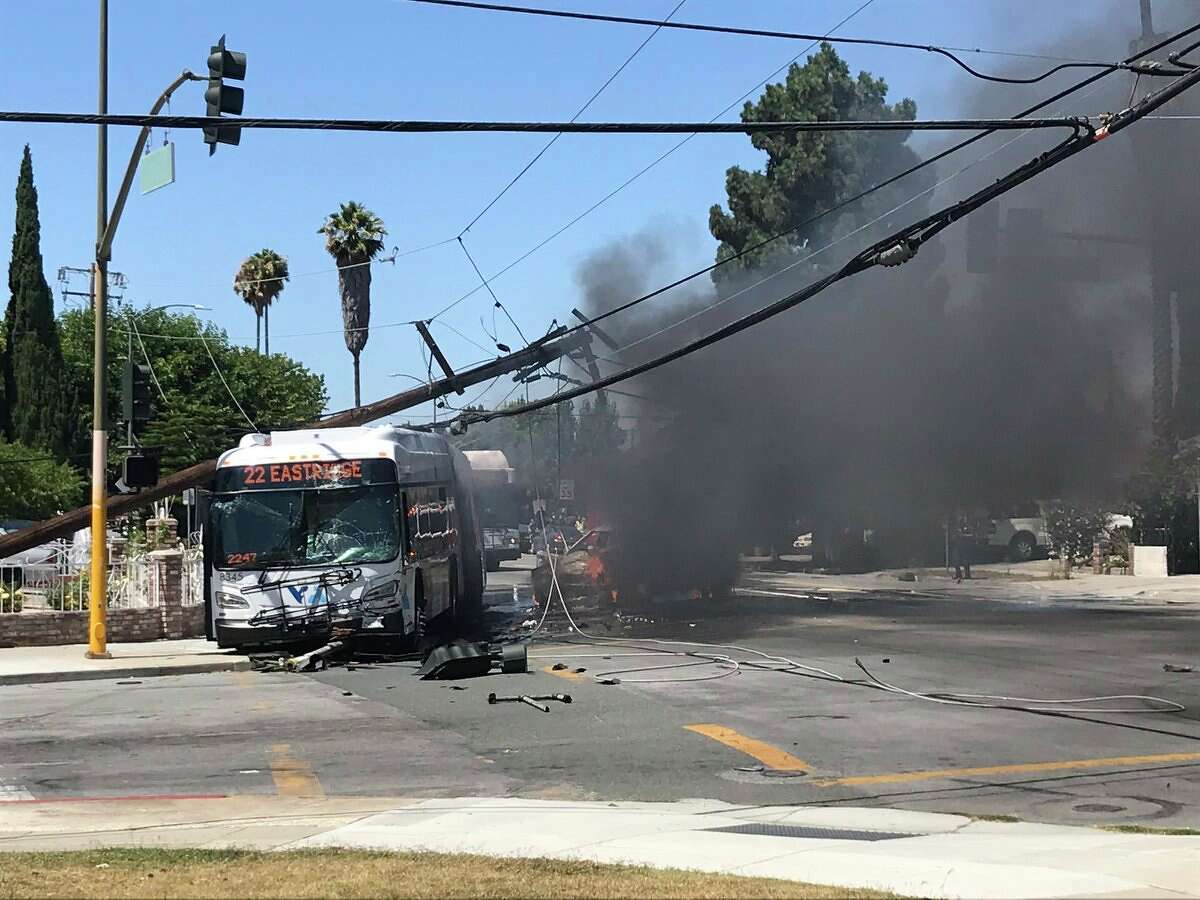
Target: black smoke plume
{"x":886,"y":402}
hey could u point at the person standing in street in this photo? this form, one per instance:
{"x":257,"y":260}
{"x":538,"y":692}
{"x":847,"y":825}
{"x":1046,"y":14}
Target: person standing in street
{"x":962,"y":545}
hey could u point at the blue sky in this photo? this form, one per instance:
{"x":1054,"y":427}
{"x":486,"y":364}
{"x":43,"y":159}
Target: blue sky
{"x":394,"y":59}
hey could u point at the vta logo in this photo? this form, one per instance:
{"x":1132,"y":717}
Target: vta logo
{"x":319,"y":596}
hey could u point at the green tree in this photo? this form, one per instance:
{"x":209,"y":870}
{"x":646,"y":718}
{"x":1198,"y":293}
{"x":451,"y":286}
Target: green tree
{"x":198,"y":419}
{"x":354,"y":236}
{"x":34,"y":411}
{"x":259,"y":281}
{"x":809,"y":172}
{"x":35,"y":486}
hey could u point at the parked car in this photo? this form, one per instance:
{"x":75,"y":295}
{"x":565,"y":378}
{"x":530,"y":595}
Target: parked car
{"x":1021,"y":530}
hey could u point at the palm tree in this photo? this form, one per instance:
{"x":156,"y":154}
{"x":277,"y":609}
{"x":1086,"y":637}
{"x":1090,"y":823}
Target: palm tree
{"x":259,"y":282}
{"x":354,"y":236}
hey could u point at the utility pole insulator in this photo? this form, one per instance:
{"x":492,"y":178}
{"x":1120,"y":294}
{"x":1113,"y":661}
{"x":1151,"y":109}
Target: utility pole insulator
{"x":896,"y":255}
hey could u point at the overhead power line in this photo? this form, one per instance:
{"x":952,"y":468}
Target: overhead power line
{"x":948,"y":52}
{"x":642,"y":171}
{"x":579,"y":112}
{"x":403,"y":126}
{"x":893,"y":250}
{"x":791,"y":229}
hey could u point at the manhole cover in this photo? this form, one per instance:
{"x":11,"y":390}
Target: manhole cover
{"x":1098,"y":808}
{"x":769,"y":829}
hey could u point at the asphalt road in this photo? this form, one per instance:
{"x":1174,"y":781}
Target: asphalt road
{"x":750,"y":737}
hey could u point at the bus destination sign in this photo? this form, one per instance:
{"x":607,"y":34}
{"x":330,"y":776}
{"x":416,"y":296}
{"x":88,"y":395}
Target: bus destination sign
{"x":311,"y":474}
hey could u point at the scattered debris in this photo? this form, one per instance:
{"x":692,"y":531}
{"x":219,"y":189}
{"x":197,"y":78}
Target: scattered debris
{"x":580,"y":670}
{"x":771,"y":773}
{"x":887,"y":659}
{"x":529,"y":700}
{"x":314,"y":658}
{"x":463,"y":659}
{"x":610,"y":680}
{"x":347,"y":693}
{"x":128,"y":682}
{"x":558,"y":667}
{"x":906,"y":576}
{"x":1167,"y":667}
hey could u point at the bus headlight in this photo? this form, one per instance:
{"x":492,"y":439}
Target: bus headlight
{"x":231,"y":601}
{"x":382,"y":591}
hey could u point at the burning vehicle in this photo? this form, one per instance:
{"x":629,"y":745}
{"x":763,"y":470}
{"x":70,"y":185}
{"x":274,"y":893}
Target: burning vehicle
{"x":582,"y":569}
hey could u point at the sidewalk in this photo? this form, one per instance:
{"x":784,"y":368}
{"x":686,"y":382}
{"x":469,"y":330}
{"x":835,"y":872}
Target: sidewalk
{"x":914,"y":854}
{"x":1011,"y":581}
{"x":32,"y":665}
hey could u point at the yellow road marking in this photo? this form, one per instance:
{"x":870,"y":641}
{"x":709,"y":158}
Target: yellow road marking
{"x":293,"y":777}
{"x":1017,"y":769}
{"x":565,"y":673}
{"x":767,"y":754}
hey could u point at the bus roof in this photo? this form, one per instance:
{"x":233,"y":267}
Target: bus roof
{"x":487,"y":460}
{"x":419,"y":456}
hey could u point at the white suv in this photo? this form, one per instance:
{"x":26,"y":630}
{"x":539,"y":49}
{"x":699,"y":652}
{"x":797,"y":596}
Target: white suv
{"x":1019,"y":531}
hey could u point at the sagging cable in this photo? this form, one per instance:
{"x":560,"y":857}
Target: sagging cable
{"x":1030,"y":704}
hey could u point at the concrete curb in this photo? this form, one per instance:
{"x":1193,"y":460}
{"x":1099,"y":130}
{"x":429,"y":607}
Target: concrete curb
{"x":223,"y":665}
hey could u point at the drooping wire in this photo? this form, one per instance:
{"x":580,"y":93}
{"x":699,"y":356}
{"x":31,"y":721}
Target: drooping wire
{"x":495,"y":300}
{"x":228,"y":389}
{"x":550,"y":143}
{"x":631,"y":179}
{"x":154,"y":376}
{"x":842,"y":204}
{"x":947,"y":52}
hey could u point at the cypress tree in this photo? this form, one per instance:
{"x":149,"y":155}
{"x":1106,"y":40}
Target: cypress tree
{"x":32,"y":361}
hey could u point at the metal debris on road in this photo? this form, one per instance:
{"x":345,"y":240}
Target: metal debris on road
{"x":1169,"y":667}
{"x":530,"y":700}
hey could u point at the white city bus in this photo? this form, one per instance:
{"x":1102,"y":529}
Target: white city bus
{"x":370,"y":528}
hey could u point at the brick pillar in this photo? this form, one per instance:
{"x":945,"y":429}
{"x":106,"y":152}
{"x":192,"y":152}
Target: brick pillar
{"x":167,"y":584}
{"x":160,"y":533}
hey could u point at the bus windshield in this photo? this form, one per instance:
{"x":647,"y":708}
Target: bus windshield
{"x":307,"y":527}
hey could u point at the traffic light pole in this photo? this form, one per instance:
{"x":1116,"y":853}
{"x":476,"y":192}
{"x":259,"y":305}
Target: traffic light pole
{"x":106,"y":228}
{"x":98,"y":599}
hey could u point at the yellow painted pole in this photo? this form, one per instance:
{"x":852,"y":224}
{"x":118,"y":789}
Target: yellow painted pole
{"x":98,"y":599}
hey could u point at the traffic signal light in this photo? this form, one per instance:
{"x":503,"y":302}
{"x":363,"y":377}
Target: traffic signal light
{"x":136,"y":403}
{"x":140,"y":471}
{"x":221,"y":97}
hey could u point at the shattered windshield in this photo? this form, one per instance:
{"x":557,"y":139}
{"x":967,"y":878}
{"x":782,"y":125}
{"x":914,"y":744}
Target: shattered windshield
{"x":311,"y":527}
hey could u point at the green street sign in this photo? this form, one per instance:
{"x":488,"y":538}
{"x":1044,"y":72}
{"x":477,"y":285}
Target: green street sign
{"x":158,"y":168}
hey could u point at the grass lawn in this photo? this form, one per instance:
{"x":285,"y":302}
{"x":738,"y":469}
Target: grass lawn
{"x":122,"y":873}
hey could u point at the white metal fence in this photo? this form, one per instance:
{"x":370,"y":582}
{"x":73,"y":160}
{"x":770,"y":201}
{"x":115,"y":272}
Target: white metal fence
{"x":192,"y":578}
{"x":59,"y":579}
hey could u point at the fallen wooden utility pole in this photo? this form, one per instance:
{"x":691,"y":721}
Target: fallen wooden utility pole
{"x":537,"y":354}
